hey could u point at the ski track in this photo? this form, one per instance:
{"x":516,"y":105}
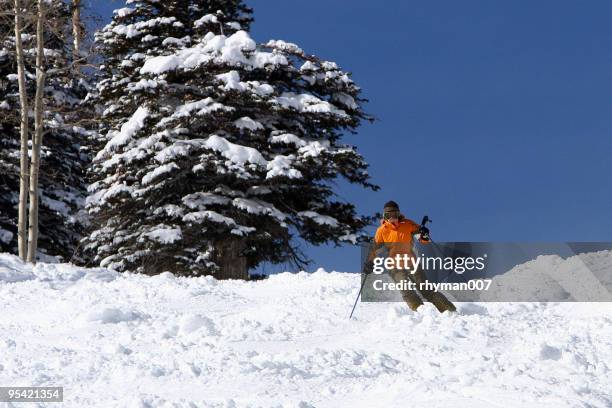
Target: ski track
{"x":116,"y":340}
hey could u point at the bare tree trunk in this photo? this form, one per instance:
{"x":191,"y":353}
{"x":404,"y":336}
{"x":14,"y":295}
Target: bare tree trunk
{"x":38,"y":133}
{"x":22,"y":224}
{"x":231,"y":263}
{"x":77,"y":33}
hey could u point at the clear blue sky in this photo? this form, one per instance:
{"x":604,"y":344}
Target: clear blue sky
{"x":495,"y":118}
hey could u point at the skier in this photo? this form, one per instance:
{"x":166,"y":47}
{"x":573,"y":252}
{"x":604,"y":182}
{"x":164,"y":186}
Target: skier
{"x":396,"y":233}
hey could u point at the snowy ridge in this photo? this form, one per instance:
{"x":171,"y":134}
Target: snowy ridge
{"x":581,"y":277}
{"x":125,"y":340}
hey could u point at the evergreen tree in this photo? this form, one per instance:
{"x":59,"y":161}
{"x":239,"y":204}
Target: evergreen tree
{"x":9,"y":141}
{"x":62,"y":187}
{"x":148,"y":28}
{"x":221,"y":152}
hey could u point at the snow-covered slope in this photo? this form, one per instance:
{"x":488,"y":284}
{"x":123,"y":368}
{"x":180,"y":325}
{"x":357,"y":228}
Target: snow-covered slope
{"x":135,"y":341}
{"x":586,"y":276}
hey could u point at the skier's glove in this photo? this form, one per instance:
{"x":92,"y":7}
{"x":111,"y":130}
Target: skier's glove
{"x":424,"y":234}
{"x":368,"y":268}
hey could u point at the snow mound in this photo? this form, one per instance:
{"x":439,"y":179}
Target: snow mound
{"x":581,"y":277}
{"x":127,"y":340}
{"x":113,"y":315}
{"x":193,"y":323}
{"x":12,"y":269}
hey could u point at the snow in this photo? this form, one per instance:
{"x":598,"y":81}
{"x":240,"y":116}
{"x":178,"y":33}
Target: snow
{"x":234,"y":24}
{"x":329,"y":65}
{"x":112,"y":315}
{"x":195,"y":322}
{"x":102,"y":196}
{"x":309,"y":66}
{"x":142,"y":84}
{"x":164,"y":235}
{"x":149,"y":38}
{"x":247,"y":123}
{"x":170,"y":210}
{"x":173,"y":152}
{"x":201,"y":200}
{"x":240,"y":40}
{"x":202,"y":107}
{"x":5,"y":236}
{"x":235,"y":153}
{"x":348,"y":237}
{"x":133,"y":30}
{"x":153,"y":174}
{"x":178,"y":42}
{"x":206,"y":19}
{"x":235,"y":46}
{"x":558,"y":275}
{"x":285,"y":46}
{"x":123,"y":12}
{"x":281,"y":166}
{"x":254,"y":206}
{"x":126,"y":31}
{"x":241,"y":230}
{"x":314,"y":149}
{"x":287,"y":138}
{"x":126,"y":340}
{"x":128,"y":130}
{"x":239,"y":49}
{"x":231,"y":80}
{"x":261,"y":89}
{"x":201,"y":216}
{"x":158,"y":65}
{"x":136,"y":152}
{"x":307,"y":103}
{"x":345,"y":99}
{"x":54,"y":205}
{"x":319,"y":218}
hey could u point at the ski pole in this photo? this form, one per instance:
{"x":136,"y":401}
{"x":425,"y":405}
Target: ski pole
{"x":437,"y":248}
{"x":425,"y":235}
{"x":358,"y":294}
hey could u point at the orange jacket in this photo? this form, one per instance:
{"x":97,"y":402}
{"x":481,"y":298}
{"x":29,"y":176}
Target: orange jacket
{"x":397,"y":238}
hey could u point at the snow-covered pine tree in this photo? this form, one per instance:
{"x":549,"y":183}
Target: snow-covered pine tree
{"x":145,"y":29}
{"x":222,"y":152}
{"x":62,"y":184}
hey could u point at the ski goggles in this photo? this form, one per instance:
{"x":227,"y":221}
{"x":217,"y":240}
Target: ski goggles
{"x":389,"y":215}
